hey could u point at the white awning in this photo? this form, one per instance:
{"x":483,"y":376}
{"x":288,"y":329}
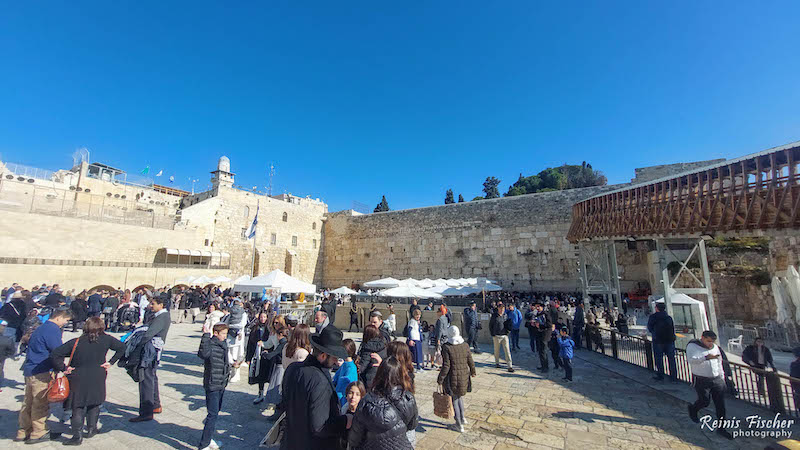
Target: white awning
{"x":196,"y":253}
{"x":171,"y":251}
{"x":184,"y":252}
{"x":226,"y":255}
{"x":206,"y":254}
{"x":216,"y":255}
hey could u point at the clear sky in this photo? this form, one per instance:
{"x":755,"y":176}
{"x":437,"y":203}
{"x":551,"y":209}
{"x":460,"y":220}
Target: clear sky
{"x":352,"y":100}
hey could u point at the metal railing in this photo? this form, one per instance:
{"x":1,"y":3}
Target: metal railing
{"x":82,"y":205}
{"x":24,"y":171}
{"x":97,"y":263}
{"x":763,"y":388}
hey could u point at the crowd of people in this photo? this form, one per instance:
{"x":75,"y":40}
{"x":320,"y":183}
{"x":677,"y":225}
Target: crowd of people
{"x":325,"y":391}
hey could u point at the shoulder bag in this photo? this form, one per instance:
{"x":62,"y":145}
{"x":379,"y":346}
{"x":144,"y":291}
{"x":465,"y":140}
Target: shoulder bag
{"x":58,"y":388}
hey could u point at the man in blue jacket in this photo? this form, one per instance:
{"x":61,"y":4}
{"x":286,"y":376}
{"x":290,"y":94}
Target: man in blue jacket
{"x":516,"y":320}
{"x":471,"y":326}
{"x":36,"y":369}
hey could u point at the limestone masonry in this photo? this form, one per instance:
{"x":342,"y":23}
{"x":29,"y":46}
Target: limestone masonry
{"x":94,"y":225}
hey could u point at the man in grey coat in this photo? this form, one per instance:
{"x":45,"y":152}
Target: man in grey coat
{"x":149,"y":399}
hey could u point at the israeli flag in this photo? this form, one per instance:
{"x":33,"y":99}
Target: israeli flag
{"x":251,"y":232}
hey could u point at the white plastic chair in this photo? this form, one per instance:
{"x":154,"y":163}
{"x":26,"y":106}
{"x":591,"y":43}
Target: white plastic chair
{"x":735,"y":343}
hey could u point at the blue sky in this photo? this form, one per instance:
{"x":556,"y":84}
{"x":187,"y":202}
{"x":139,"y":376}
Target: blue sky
{"x":352,"y":100}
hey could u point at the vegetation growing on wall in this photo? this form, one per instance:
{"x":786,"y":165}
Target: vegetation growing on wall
{"x":738,"y":245}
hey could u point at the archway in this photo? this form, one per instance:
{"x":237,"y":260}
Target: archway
{"x":143,"y":286}
{"x":101,"y":287}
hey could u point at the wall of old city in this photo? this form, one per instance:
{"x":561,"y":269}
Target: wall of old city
{"x":518,"y":241}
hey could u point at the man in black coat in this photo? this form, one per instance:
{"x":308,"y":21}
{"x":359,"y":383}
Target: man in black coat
{"x":54,"y":299}
{"x":95,"y":302}
{"x":216,"y":374}
{"x":110,"y":309}
{"x":663,"y":330}
{"x":80,"y":312}
{"x":313,"y":419}
{"x":757,"y":355}
{"x":538,"y":325}
{"x":471,"y":326}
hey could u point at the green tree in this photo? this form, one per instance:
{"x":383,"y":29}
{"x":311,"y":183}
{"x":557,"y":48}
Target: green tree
{"x":477,"y":198}
{"x":460,"y":198}
{"x":448,"y":197}
{"x":558,"y":178}
{"x":490,"y":187}
{"x":383,"y":205}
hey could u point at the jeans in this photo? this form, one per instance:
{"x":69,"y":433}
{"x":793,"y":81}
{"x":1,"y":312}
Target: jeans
{"x":501,"y":341}
{"x":716,"y":387}
{"x":567,"y":363}
{"x":416,"y":353}
{"x":472,"y":338}
{"x":214,"y":406}
{"x":148,"y":391}
{"x":515,"y":339}
{"x":661,"y":349}
{"x":458,"y":409}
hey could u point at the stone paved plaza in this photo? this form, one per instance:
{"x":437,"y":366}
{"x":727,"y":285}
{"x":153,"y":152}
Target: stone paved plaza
{"x":600,"y":409}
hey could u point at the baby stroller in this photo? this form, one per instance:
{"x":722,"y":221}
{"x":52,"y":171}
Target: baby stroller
{"x":127,"y":318}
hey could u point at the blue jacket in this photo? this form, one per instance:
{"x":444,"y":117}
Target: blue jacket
{"x":470,"y":319}
{"x":516,"y":318}
{"x":44,"y":340}
{"x":95,"y":301}
{"x":567,"y":346}
{"x":346,"y":374}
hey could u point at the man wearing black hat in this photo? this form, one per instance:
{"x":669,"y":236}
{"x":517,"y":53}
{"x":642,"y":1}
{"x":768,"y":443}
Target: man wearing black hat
{"x":313,"y":419}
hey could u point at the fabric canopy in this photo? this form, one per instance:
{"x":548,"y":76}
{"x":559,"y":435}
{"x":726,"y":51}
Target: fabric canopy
{"x":276,"y":279}
{"x":344,"y":290}
{"x":220,"y":279}
{"x":408,"y":292}
{"x":242,"y":278}
{"x":453,"y":292}
{"x":383,"y":283}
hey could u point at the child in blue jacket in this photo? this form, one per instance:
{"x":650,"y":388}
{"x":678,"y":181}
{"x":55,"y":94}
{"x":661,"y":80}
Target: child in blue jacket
{"x":566,"y":345}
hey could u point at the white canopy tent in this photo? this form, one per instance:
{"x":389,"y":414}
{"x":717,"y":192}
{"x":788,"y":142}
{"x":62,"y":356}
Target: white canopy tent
{"x":241,"y":279}
{"x":453,"y":292}
{"x":383,"y":283}
{"x":220,"y":279}
{"x":344,"y":290}
{"x":425,"y":283}
{"x":185,"y":280}
{"x":409,"y":292}
{"x":409,"y":282}
{"x":490,"y":287}
{"x":276,"y":279}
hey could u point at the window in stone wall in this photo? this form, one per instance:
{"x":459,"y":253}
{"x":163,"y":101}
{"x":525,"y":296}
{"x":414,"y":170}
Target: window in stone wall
{"x":246,"y":212}
{"x":273,"y":239}
{"x":206,"y":242}
{"x":314,"y":243}
{"x":285,"y":217}
{"x":244,"y":234}
{"x":294,"y":241}
{"x":314,"y":226}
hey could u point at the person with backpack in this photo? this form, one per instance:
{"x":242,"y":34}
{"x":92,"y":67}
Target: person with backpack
{"x":662,"y":328}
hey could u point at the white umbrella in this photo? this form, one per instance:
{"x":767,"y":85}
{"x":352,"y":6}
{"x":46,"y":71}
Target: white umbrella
{"x":793,"y":286}
{"x":452,"y":282}
{"x":408,"y":292}
{"x":780,"y":303}
{"x":383,"y":283}
{"x":344,"y":290}
{"x":440,"y":282}
{"x":489,"y":287}
{"x":276,"y":279}
{"x":409,"y":282}
{"x":453,"y":292}
{"x":426,"y":283}
{"x":185,"y":280}
{"x":200,"y":281}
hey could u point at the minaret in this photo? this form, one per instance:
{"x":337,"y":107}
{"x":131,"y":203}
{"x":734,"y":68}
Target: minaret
{"x":223,"y":175}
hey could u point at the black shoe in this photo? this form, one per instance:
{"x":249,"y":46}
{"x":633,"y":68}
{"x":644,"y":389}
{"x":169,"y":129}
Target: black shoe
{"x":693,"y":414}
{"x":76,"y":440}
{"x":91,"y":432}
{"x":511,"y":369}
{"x":724,"y":433}
{"x":544,"y":370}
{"x":497,"y":366}
{"x":140,"y":419}
{"x":39,"y":440}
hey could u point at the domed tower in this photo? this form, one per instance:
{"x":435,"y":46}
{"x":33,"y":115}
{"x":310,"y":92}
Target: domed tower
{"x":223,"y":175}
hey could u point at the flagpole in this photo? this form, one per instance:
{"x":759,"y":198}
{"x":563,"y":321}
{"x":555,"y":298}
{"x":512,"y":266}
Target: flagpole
{"x":255,"y":236}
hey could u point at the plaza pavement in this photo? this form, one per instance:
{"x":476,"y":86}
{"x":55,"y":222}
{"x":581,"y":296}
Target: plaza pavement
{"x":601,"y":409}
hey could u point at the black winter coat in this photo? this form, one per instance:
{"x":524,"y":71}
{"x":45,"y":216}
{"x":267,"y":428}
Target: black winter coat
{"x":542,"y":333}
{"x":381,"y":423}
{"x":80,"y":311}
{"x":498,"y":326}
{"x":313,"y":419}
{"x":216,"y":367}
{"x":14,"y":312}
{"x":750,"y":356}
{"x":366,"y":365}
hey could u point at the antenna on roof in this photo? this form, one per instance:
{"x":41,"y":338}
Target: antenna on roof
{"x":79,"y":156}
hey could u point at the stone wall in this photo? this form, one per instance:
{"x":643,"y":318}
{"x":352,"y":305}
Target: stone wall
{"x":644,"y":174}
{"x":518,"y":241}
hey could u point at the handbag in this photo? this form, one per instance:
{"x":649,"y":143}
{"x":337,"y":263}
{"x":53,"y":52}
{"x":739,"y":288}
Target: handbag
{"x":442,"y":404}
{"x":275,"y":433}
{"x":58,"y":388}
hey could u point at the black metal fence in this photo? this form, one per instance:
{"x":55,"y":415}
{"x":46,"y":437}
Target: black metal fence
{"x":763,"y":388}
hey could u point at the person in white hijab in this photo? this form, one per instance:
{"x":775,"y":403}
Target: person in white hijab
{"x":455,"y":376}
